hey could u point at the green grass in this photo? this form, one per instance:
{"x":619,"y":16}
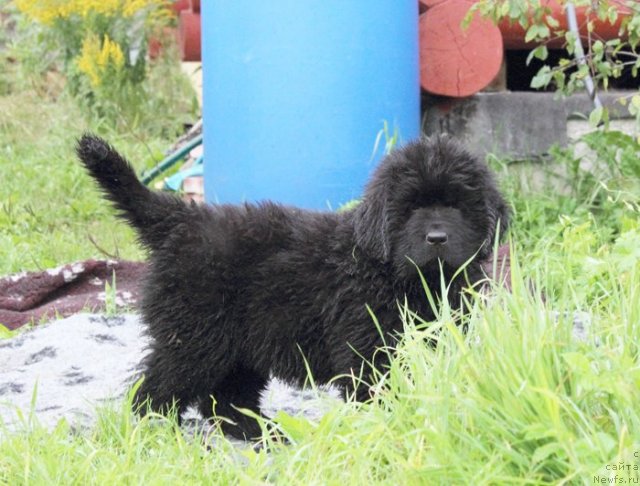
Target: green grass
{"x":50,"y":211}
{"x":517,"y":400}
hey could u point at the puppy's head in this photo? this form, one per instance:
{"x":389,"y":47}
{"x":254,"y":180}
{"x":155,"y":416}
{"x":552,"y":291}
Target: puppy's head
{"x":430,"y":204}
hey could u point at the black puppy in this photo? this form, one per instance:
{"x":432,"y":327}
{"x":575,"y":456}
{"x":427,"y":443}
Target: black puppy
{"x":236,"y":293}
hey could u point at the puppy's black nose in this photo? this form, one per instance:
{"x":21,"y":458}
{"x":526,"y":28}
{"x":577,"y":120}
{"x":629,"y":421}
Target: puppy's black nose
{"x":436,"y":237}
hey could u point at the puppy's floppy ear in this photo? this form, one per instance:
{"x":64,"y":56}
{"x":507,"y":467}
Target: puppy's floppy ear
{"x":371,"y":224}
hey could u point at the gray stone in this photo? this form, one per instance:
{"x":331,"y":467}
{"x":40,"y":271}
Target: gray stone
{"x":514,"y":124}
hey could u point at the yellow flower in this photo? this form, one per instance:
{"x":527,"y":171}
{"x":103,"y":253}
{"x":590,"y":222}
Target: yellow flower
{"x":111,"y":54}
{"x":87,"y":60}
{"x":133,"y":6}
{"x":46,"y":11}
{"x":96,"y":60}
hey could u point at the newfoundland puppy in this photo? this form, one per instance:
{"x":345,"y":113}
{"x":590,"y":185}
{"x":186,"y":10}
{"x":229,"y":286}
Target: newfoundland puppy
{"x":236,"y":293}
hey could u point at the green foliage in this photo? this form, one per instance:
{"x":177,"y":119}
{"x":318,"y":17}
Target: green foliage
{"x":601,"y":183}
{"x":390,"y":139}
{"x":583,"y":224}
{"x":91,"y":36}
{"x":603,"y":60}
{"x":50,"y":211}
{"x":97,"y":52}
{"x":518,"y":399}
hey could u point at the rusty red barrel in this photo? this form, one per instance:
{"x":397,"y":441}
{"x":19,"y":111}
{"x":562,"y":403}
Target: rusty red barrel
{"x":455,"y":61}
{"x":189,"y":35}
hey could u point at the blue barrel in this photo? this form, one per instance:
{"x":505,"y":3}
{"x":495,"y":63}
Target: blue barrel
{"x":297,"y":92}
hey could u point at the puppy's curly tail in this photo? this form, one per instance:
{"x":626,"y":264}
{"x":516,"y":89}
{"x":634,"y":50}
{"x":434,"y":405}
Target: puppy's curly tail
{"x":147,"y":211}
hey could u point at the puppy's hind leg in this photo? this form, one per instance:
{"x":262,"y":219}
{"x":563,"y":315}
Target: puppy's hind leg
{"x":165,"y":385}
{"x":351,"y":389}
{"x":241,"y":388}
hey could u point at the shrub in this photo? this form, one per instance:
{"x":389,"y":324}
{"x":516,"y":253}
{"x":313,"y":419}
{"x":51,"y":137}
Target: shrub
{"x":602,"y":60}
{"x":101,"y":49}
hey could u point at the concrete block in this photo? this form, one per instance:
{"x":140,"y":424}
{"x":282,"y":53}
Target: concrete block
{"x":514,"y":124}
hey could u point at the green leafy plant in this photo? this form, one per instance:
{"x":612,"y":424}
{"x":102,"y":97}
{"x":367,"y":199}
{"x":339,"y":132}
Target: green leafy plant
{"x":103,"y":41}
{"x":602,"y":60}
{"x":98,"y":51}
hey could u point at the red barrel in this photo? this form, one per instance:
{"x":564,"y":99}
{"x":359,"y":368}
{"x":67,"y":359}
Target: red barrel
{"x":455,"y":61}
{"x":189,"y":35}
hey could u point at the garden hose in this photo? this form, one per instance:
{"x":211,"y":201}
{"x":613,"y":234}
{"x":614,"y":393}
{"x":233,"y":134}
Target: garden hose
{"x":171,"y":160}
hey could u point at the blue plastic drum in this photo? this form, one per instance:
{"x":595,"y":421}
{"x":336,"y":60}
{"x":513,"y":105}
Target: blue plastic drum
{"x":296,"y":93}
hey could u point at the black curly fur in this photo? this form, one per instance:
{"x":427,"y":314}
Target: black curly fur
{"x":236,"y":293}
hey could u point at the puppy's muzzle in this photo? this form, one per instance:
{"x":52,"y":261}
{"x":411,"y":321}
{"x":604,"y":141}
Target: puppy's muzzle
{"x":437,"y":237}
